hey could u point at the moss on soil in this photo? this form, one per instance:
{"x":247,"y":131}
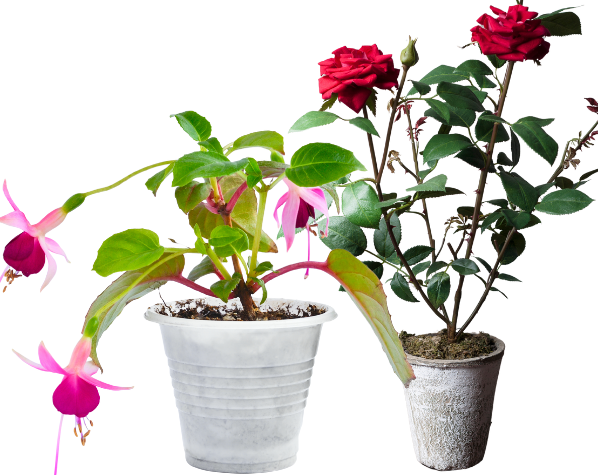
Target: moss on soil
{"x":437,"y":347}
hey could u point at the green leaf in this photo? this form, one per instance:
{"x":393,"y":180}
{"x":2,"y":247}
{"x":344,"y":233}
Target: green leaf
{"x":540,"y":190}
{"x":588,"y":174}
{"x":514,"y":249}
{"x":200,"y":246}
{"x":459,"y":96}
{"x":253,"y":172}
{"x":501,"y":203}
{"x":371,"y":102}
{"x":437,"y":183}
{"x":417,"y":254}
{"x":262,"y":284}
{"x":316,"y":164}
{"x":515,"y":148}
{"x":458,"y":117}
{"x":435,"y":268}
{"x":466,"y":211}
{"x":129,"y":250}
{"x":424,"y":173}
{"x":327,"y":104}
{"x":382,"y":241}
{"x":507,"y":277}
{"x":276,"y":157}
{"x":516,"y":219}
{"x":212,"y":145}
{"x":441,"y":146}
{"x":564,"y":202}
{"x":488,"y":116}
{"x":267,"y":139}
{"x":343,"y":234}
{"x":244,"y":215}
{"x":367,"y":293}
{"x":440,"y":110}
{"x":272,"y":169}
{"x":530,"y":130}
{"x":360,"y":205}
{"x":421,"y":87}
{"x":473,"y":156}
{"x":491,"y":218}
{"x":496,"y":62}
{"x":223,"y":288}
{"x":483,"y":130}
{"x":564,"y":182}
{"x":422,"y":266}
{"x":364,"y":124}
{"x":562,"y":24}
{"x":485,"y":264}
{"x":494,"y":289}
{"x":190,"y":195}
{"x":204,"y":165}
{"x":313,"y":119}
{"x":400,"y":287}
{"x":483,"y":81}
{"x":425,"y":195}
{"x":580,"y":183}
{"x":439,"y":289}
{"x":519,"y":191}
{"x":473,"y":66}
{"x":439,"y":74}
{"x":376,"y":267}
{"x":228,"y":241}
{"x":504,"y":160}
{"x":205,"y":267}
{"x":481,"y":95}
{"x":196,"y":126}
{"x":155,"y":181}
{"x":465,"y":266}
{"x":168,"y":270}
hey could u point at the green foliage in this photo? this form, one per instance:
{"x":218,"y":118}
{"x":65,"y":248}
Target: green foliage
{"x":457,"y":117}
{"x":422,"y":266}
{"x":439,"y":111}
{"x":496,"y":62}
{"x":267,"y":139}
{"x":485,"y":264}
{"x":129,"y":250}
{"x":198,"y":128}
{"x":365,"y":125}
{"x":441,"y":146}
{"x":440,"y":74}
{"x":212,"y":145}
{"x":514,"y":249}
{"x":435,"y":268}
{"x":507,"y":277}
{"x":465,"y":266}
{"x":473,"y":156}
{"x":561,"y":23}
{"x":328,"y":103}
{"x":565,"y":201}
{"x":459,"y":96}
{"x":417,"y":254}
{"x":437,"y":183}
{"x":531,"y":131}
{"x":343,"y":234}
{"x":382,"y":241}
{"x":439,"y":289}
{"x":155,"y":181}
{"x":253,"y":172}
{"x":519,"y":191}
{"x":587,"y":175}
{"x":472,"y":67}
{"x":313,"y":119}
{"x":425,"y":195}
{"x":190,"y":195}
{"x":484,"y":129}
{"x":502,"y":159}
{"x":421,"y":87}
{"x":223,"y":288}
{"x":360,"y":205}
{"x":205,"y":267}
{"x":228,"y":241}
{"x":501,"y":203}
{"x":400,"y":287}
{"x":516,"y":219}
{"x":204,"y":165}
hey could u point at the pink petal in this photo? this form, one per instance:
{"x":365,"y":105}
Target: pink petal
{"x":51,"y":263}
{"x":25,"y":254}
{"x":281,"y":201}
{"x":55,"y":248}
{"x":316,"y":198}
{"x":10,"y":200}
{"x":76,"y":396}
{"x":90,"y":368}
{"x":51,"y":220}
{"x":16,"y":219}
{"x":47,"y":361}
{"x":289,"y":218}
{"x":80,"y":355}
{"x":33,"y":364}
{"x":100,"y":384}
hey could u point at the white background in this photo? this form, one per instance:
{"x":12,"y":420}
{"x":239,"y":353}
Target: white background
{"x":86,"y":92}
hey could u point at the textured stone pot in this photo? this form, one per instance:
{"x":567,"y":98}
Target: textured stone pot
{"x":449,"y":405}
{"x":241,"y":387}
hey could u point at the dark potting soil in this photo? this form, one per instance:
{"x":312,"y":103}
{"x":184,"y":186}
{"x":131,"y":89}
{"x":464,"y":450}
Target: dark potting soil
{"x":199,"y":310}
{"x":437,"y":347}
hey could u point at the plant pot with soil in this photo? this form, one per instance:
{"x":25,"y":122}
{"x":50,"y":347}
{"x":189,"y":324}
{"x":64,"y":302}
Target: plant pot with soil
{"x":450,"y":402}
{"x":240,"y":366}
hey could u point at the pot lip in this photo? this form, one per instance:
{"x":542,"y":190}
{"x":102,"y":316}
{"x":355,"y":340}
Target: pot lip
{"x":152,"y":316}
{"x":477,"y":361}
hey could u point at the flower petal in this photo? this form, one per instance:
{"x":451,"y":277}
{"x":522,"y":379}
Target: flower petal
{"x":55,"y":248}
{"x":33,"y":364}
{"x":76,"y":396}
{"x":51,"y":263}
{"x":90,"y":368}
{"x":10,"y":200}
{"x":51,"y":220}
{"x":100,"y":384}
{"x":289,"y":218}
{"x":80,"y":355}
{"x":281,"y":201}
{"x":16,"y":219}
{"x":25,"y":254}
{"x":47,"y":361}
{"x":315,"y":197}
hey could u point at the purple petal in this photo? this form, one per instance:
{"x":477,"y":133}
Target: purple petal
{"x":25,"y":254}
{"x":305,"y":212}
{"x":76,"y":396}
{"x":315,"y":197}
{"x":289,"y":218}
{"x":283,"y":199}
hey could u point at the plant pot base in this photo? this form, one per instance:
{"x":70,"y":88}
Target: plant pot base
{"x":240,"y":467}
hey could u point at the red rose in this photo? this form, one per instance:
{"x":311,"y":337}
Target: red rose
{"x":513,"y":36}
{"x":352,"y":74}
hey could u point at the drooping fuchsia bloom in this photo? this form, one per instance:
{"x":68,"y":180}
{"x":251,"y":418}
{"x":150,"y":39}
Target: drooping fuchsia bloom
{"x":27,"y":253}
{"x":299,"y":205}
{"x":77,"y":394}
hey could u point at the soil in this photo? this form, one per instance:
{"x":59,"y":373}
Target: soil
{"x":436,"y":346}
{"x":199,"y":310}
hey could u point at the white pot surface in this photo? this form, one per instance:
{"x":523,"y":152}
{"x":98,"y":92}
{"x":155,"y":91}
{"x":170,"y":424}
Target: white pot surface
{"x":449,"y":405}
{"x":241,"y":387}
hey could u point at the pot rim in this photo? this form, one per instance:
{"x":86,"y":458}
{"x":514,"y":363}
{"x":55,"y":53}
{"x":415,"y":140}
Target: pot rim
{"x":152,"y":316}
{"x":477,"y":361}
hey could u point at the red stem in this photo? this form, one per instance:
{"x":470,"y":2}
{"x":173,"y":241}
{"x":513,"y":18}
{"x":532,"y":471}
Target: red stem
{"x":323,"y":266}
{"x":233,"y":201}
{"x":192,"y":285}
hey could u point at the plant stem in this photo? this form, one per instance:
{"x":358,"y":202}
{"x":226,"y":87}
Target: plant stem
{"x":479,"y":199}
{"x":214,"y":183}
{"x":217,"y":262}
{"x":128,"y":177}
{"x":561,"y":167}
{"x":258,"y":231}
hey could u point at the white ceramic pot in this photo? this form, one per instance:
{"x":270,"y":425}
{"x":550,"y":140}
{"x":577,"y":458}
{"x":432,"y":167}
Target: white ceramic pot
{"x":449,"y":405}
{"x":241,"y":387}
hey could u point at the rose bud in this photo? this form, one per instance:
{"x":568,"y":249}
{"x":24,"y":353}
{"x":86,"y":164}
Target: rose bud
{"x":409,"y":56}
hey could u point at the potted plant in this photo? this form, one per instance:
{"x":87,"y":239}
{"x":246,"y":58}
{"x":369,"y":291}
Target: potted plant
{"x":450,"y":402}
{"x":240,"y":365}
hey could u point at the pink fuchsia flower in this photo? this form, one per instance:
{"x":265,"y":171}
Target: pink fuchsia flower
{"x":27,"y":252}
{"x":77,"y":394}
{"x":300,"y":205}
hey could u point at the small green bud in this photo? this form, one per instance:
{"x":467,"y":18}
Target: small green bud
{"x":91,"y":328}
{"x":409,"y":56}
{"x":73,"y":202}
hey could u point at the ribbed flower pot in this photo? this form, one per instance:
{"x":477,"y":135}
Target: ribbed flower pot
{"x":241,"y":387}
{"x":449,"y":405}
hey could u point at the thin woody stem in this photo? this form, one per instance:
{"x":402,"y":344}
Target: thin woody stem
{"x":561,"y":167}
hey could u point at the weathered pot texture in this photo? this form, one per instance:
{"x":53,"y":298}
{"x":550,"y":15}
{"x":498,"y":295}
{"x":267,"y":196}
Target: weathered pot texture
{"x":449,"y":405}
{"x":241,"y":387}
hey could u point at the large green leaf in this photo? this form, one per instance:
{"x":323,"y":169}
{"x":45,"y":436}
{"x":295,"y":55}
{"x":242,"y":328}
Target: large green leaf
{"x":435,"y":268}
{"x":519,"y":191}
{"x":417,"y":254}
{"x":170,"y":269}
{"x":472,"y":67}
{"x":496,"y":62}
{"x":367,"y":293}
{"x":313,"y":119}
{"x":196,"y":126}
{"x":441,"y":146}
{"x":316,"y":164}
{"x":439,"y":111}
{"x":400,"y":287}
{"x":459,"y":96}
{"x":343,"y":234}
{"x":439,"y":289}
{"x":155,"y":181}
{"x":514,"y":249}
{"x":205,"y":267}
{"x":204,"y":165}
{"x":457,"y":117}
{"x":267,"y":139}
{"x":561,"y":23}
{"x":425,"y":195}
{"x":437,"y":183}
{"x":484,"y":129}
{"x":531,"y":131}
{"x":211,"y":145}
{"x":439,"y":74}
{"x":129,"y":250}
{"x":190,"y":195}
{"x":360,"y":205}
{"x":565,"y":201}
{"x":473,"y":156}
{"x":228,"y":241}
{"x":382,"y":242}
{"x":244,"y":215}
{"x":465,"y":266}
{"x":421,"y":88}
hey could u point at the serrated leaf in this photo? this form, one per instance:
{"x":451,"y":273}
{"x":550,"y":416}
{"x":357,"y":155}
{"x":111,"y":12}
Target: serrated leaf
{"x":473,"y":156}
{"x":313,"y":119}
{"x":473,"y":66}
{"x":514,"y":249}
{"x":440,"y":109}
{"x":501,"y":203}
{"x":435,"y":268}
{"x":421,"y":87}
{"x":223,"y":288}
{"x":458,"y":117}
{"x":483,"y":81}
{"x":491,"y":218}
{"x":518,"y":220}
{"x":502,"y":159}
{"x":343,"y":234}
{"x":360,"y":205}
{"x":488,"y":116}
{"x":441,"y":146}
{"x":417,"y":254}
{"x":562,"y":24}
{"x":540,"y":190}
{"x":531,"y":131}
{"x":195,"y":125}
{"x":459,"y":96}
{"x":400,"y":287}
{"x":496,"y":62}
{"x":425,"y":195}
{"x":365,"y":125}
{"x":564,"y":182}
{"x":465,"y":267}
{"x":190,"y":195}
{"x":422,"y":266}
{"x":439,"y":289}
{"x":437,"y":183}
{"x":327,"y":104}
{"x":564,"y":202}
{"x":155,"y":181}
{"x":507,"y":277}
{"x":484,"y":130}
{"x":519,"y":191}
{"x":439,"y":74}
{"x":466,"y":211}
{"x":382,"y":241}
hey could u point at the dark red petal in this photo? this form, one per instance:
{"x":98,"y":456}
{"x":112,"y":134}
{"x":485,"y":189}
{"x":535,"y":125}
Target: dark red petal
{"x":592,"y":101}
{"x":354,"y":97}
{"x":304,"y":213}
{"x":24,"y":254}
{"x":75,"y":397}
